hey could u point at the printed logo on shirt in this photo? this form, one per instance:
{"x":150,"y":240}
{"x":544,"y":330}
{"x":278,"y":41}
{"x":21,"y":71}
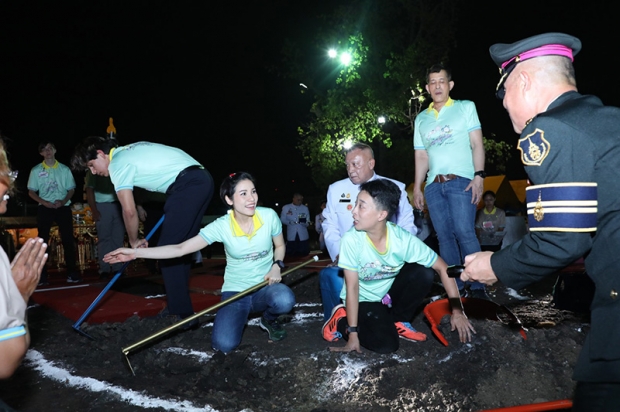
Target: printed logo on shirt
{"x":255,"y":256}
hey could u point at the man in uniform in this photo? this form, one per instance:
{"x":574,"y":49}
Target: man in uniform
{"x":341,"y":196}
{"x":570,"y":146}
{"x":296,"y":217}
{"x":162,"y":169}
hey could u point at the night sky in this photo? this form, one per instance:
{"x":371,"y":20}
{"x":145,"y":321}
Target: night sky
{"x":193,"y":75}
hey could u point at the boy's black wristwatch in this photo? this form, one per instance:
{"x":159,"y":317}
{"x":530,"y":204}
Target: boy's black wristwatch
{"x":279,"y":263}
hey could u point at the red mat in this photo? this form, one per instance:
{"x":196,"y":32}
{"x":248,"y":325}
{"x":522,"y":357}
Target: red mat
{"x":73,"y":301}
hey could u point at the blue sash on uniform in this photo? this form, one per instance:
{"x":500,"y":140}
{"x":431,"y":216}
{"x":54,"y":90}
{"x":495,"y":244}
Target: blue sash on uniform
{"x":562,"y":207}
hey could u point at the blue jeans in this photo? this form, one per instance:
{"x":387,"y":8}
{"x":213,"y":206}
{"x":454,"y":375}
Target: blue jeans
{"x":272,"y":300}
{"x":331,"y":280}
{"x":453,"y":216}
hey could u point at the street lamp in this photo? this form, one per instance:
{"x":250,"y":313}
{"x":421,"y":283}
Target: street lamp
{"x":381,"y":119}
{"x":345,"y":57}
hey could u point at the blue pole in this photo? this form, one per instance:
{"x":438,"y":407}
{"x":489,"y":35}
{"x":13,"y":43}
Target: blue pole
{"x":77,"y":324}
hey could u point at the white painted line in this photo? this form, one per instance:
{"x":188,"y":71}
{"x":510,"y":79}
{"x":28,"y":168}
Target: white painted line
{"x":48,"y":369}
{"x":63,"y":288}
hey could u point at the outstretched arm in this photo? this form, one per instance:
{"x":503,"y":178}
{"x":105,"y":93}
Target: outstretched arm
{"x":159,"y":252}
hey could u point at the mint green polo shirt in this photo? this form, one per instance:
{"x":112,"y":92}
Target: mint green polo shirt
{"x":376,"y":271}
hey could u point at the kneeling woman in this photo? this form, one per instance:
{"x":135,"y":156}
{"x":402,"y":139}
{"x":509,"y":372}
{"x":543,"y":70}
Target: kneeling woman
{"x":249,"y":234}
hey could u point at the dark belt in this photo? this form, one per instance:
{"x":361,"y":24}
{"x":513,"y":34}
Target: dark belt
{"x":181,"y":174}
{"x":444,"y":178}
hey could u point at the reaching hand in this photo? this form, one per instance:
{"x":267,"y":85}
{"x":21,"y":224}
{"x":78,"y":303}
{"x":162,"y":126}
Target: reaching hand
{"x":27,"y":266}
{"x":465,"y":328}
{"x":120,"y":255}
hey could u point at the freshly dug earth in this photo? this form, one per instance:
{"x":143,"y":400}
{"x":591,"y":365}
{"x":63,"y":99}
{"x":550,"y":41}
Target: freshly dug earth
{"x":65,"y":371}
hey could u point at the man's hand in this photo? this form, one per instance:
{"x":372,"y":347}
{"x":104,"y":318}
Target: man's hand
{"x":478,"y":268}
{"x":477,"y":188}
{"x":418,"y":199}
{"x":140,"y":243}
{"x":334,"y":263}
{"x":27,"y":266}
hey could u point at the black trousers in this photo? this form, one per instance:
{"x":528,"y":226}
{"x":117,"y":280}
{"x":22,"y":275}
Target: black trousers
{"x":185,"y":206}
{"x":376,"y":329}
{"x":64,"y":219}
{"x":596,"y":397}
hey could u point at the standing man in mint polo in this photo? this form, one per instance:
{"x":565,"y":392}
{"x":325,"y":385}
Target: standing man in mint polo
{"x":341,"y":196}
{"x":449,"y":155}
{"x":52,"y":185}
{"x":157,"y":168}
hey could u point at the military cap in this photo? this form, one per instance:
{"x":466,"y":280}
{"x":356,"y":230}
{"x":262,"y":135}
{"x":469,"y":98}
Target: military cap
{"x":507,"y":56}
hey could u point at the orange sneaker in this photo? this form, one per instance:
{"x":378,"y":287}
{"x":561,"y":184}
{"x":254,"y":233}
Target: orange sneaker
{"x":330,"y":328}
{"x":406,"y":331}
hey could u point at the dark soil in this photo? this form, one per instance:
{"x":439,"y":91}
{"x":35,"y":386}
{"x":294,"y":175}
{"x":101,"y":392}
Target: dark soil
{"x":65,"y":371}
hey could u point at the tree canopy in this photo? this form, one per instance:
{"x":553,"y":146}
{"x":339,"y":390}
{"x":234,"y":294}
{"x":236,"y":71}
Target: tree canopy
{"x":390,"y":45}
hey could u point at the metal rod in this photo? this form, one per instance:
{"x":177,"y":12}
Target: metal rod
{"x":209,"y":309}
{"x":77,"y":324}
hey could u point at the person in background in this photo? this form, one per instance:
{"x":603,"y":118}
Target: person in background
{"x":108,"y":219}
{"x":18,"y":280}
{"x":158,"y":168}
{"x":296,"y":217}
{"x":380,"y":298}
{"x":254,"y":246}
{"x":52,"y":185}
{"x":449,"y":157}
{"x":318,"y":225}
{"x":570,"y":147}
{"x":490,"y":224}
{"x":341,"y":195}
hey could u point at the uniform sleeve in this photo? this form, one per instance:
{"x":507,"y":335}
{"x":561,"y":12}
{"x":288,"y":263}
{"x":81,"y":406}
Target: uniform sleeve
{"x":405,"y":212}
{"x":284,"y":218}
{"x":541,"y":253}
{"x":331,"y":231}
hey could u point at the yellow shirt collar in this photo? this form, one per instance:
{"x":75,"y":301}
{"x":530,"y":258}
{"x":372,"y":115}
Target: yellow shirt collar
{"x":431,"y":107}
{"x":50,"y":167}
{"x":236,"y":229}
{"x":492,"y":212}
{"x":111,"y":153}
